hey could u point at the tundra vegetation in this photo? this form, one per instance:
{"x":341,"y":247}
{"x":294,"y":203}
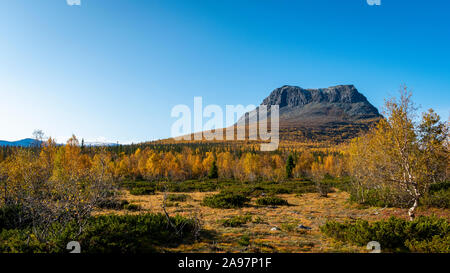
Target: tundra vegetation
{"x":383,"y":186}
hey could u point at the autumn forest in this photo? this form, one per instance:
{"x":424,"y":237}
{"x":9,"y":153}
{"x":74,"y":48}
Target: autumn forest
{"x":227,"y":197}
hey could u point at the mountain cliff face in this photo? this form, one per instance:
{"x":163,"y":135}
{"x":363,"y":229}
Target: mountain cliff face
{"x":339,"y":112}
{"x":337,"y":103}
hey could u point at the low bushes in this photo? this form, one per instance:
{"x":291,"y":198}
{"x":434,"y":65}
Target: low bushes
{"x":323,"y":188}
{"x":22,"y":241}
{"x":13,"y":217}
{"x":439,"y":186}
{"x":437,"y":244}
{"x":255,"y":189}
{"x":188,"y":186}
{"x":248,"y":188}
{"x":142,"y":191}
{"x":289,"y":227}
{"x":438,"y":199}
{"x":132,"y":233}
{"x":113,"y":203}
{"x":424,"y":234}
{"x":177,"y":197}
{"x":380,"y":197}
{"x":136,"y":184}
{"x":244,"y":240}
{"x":236,"y":221}
{"x":139,"y":187}
{"x":271,"y":201}
{"x":438,"y":196}
{"x":125,"y":234}
{"x":132,"y":207}
{"x":225,"y":201}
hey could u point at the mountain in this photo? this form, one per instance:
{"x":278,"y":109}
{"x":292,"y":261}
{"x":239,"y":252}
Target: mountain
{"x":27,"y":142}
{"x":326,"y":115}
{"x":334,"y":113}
{"x":337,"y":103}
{"x":98,"y":144}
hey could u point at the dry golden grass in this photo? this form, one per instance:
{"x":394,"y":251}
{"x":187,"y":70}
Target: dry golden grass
{"x":308,"y":209}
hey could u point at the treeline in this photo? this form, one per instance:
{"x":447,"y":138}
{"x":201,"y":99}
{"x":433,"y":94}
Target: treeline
{"x":160,"y":162}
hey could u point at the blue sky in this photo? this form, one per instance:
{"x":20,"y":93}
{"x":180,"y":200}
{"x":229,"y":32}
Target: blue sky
{"x":112,"y":70}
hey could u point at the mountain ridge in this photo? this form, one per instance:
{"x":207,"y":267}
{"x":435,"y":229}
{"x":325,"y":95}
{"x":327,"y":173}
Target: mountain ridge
{"x":338,"y":112}
{"x":28,"y":142}
{"x":296,"y":103}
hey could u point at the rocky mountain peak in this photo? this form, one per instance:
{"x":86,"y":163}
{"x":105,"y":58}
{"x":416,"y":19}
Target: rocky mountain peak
{"x":292,"y":96}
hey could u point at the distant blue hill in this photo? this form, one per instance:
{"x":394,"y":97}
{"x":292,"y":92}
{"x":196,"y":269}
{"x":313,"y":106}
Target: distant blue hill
{"x":97,"y":144}
{"x":27,"y":142}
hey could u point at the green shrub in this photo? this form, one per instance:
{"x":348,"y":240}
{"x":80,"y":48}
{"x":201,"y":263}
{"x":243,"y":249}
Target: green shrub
{"x":258,"y":220}
{"x":188,"y":186}
{"x":172,"y":204}
{"x":236,"y":221}
{"x":437,"y":199}
{"x":439,"y":186}
{"x":22,"y":241}
{"x":132,"y":207}
{"x":112,"y":203}
{"x":288,"y":227}
{"x":438,"y":196}
{"x":13,"y":217}
{"x":290,"y":165}
{"x":142,"y":191}
{"x":382,"y":197}
{"x":437,"y":244}
{"x":213,"y":172}
{"x":177,"y":197}
{"x":123,"y":204}
{"x":244,"y":240}
{"x":133,"y":233}
{"x":324,"y":189}
{"x":271,"y":201}
{"x":225,"y":201}
{"x":137,"y":184}
{"x":247,"y":188}
{"x":125,"y":234}
{"x":394,"y":234}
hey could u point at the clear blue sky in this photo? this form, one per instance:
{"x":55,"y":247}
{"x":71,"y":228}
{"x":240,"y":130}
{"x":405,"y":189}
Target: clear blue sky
{"x":113,"y":69}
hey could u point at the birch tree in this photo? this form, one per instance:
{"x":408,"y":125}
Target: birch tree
{"x":402,"y":152}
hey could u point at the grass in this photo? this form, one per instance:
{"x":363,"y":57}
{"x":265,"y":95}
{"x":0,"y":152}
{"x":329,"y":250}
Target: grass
{"x":228,"y":226}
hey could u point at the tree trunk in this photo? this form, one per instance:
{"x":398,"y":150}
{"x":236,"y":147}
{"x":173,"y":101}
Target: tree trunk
{"x":412,"y":210}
